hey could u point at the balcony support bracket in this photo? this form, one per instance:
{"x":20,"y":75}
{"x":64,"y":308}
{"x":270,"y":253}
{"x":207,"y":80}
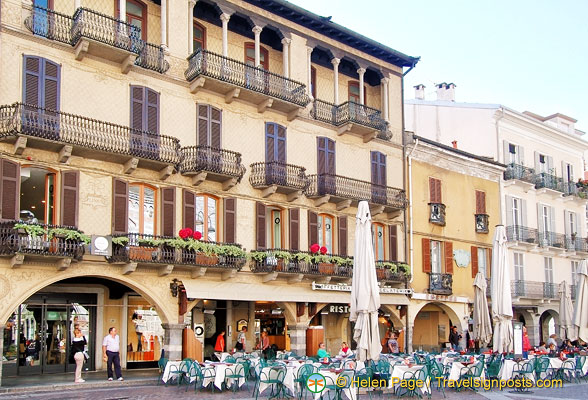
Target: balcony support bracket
{"x":127,"y":63}
{"x":81,"y":49}
{"x":370,"y":136}
{"x":264,"y":105}
{"x":196,"y":84}
{"x":232,"y":95}
{"x":377,"y":210}
{"x":394,"y":214}
{"x":272,"y":276}
{"x":322,"y":200}
{"x":63,"y":264}
{"x":324,"y":280}
{"x":268,"y":191}
{"x":166,"y":172}
{"x":199,"y":178}
{"x":294,"y":195}
{"x":344,"y":128}
{"x":129,"y":268}
{"x":228,"y":274}
{"x":165,"y":270}
{"x":20,"y":145}
{"x":198,"y":272}
{"x":130,"y":166}
{"x":17,"y":260}
{"x":65,"y":153}
{"x":342,"y":205}
{"x":296,"y":278}
{"x":229,"y":183}
{"x":294,"y":114}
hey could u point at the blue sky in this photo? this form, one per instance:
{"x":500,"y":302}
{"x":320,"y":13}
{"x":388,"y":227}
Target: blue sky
{"x":526,"y":55}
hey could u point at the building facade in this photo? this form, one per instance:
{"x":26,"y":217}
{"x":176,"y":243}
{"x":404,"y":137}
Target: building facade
{"x":451,"y":232}
{"x":255,"y":127}
{"x":543,"y":206}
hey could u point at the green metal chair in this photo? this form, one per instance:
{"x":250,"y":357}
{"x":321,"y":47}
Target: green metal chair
{"x":437,"y":374}
{"x":304,"y":371}
{"x":365,"y":374}
{"x":178,"y":373}
{"x":161,"y":364}
{"x":235,"y":373}
{"x":410,"y":387}
{"x":523,"y":371}
{"x":383,"y":370}
{"x":542,"y":368}
{"x":229,"y":360}
{"x":274,"y":377}
{"x":573,"y":369}
{"x":471,"y":372}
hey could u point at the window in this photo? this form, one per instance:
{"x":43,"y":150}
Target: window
{"x":275,"y":143}
{"x":136,"y":15}
{"x":513,"y":154}
{"x":313,"y":81}
{"x":275,"y":227}
{"x":548,"y":262}
{"x":325,"y":231}
{"x":41,"y":85}
{"x":436,"y":257}
{"x":353,"y":91}
{"x":326,"y":181}
{"x":435,"y":190}
{"x":379,"y":240}
{"x":519,"y":267}
{"x":483,"y":261}
{"x":37,"y":195}
{"x":516,"y":212}
{"x":568,"y":173}
{"x":144,"y":110}
{"x":142,"y":206}
{"x":575,"y":265}
{"x":250,"y":56}
{"x":378,"y":167}
{"x":43,"y":21}
{"x":571,"y":223}
{"x":205,"y":219}
{"x":199,"y":36}
{"x":209,"y":127}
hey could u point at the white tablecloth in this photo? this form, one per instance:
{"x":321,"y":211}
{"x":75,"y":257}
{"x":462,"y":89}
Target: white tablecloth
{"x":288,"y":382}
{"x":350,"y":393}
{"x":508,"y":369}
{"x":168,"y":367}
{"x":398,"y":371}
{"x":456,"y":371}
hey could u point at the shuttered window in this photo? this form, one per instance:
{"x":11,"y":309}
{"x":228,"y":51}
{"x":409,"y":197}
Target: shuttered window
{"x":275,"y":142}
{"x":393,"y":239}
{"x":41,"y":82}
{"x":144,"y":109}
{"x":379,"y":240}
{"x":168,"y":211}
{"x":435,"y":190}
{"x":326,"y":156}
{"x":342,"y":236}
{"x":480,"y":202}
{"x":426,"y":254}
{"x":209,"y":126}
{"x":260,"y":225}
{"x":142,"y":209}
{"x":230,"y":220}
{"x":294,"y":219}
{"x":474,"y":256}
{"x":326,"y":228}
{"x":312,"y":228}
{"x":9,"y":190}
{"x":70,"y":184}
{"x":448,"y":246}
{"x":120,"y":202}
{"x":201,"y":214}
{"x":378,"y":161}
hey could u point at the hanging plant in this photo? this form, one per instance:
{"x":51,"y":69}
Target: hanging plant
{"x":69,"y":234}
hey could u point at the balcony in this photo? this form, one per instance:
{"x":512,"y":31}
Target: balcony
{"x":521,"y":237}
{"x":50,"y":24}
{"x":136,"y":249}
{"x":534,"y":290}
{"x":549,"y":184}
{"x":351,"y":117}
{"x":519,"y":175}
{"x":344,"y":191}
{"x":481,"y":223}
{"x":551,"y":242}
{"x":276,"y":177}
{"x":205,"y":162}
{"x":59,"y":244}
{"x":440,"y":283}
{"x":152,"y":57}
{"x":575,"y":192}
{"x":437,"y":213}
{"x":235,"y":79}
{"x":70,"y":134}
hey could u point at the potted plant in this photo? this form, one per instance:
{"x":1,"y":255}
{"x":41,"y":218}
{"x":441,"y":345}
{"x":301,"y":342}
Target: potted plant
{"x":385,"y":269}
{"x":321,"y":260}
{"x":283,"y":259}
{"x":343,"y":265}
{"x":302,"y":261}
{"x":67,"y":240}
{"x":231,"y":254}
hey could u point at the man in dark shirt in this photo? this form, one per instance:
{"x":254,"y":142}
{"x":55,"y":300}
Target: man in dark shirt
{"x":454,"y":338}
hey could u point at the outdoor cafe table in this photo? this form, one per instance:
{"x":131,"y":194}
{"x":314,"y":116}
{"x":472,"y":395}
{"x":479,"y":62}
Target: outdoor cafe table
{"x":167,"y":371}
{"x":219,"y":370}
{"x":508,"y":369}
{"x":272,"y":372}
{"x":398,"y":371}
{"x":456,"y":370}
{"x":350,"y":393}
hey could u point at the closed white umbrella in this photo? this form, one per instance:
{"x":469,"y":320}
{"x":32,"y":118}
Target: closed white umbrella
{"x":365,"y":292}
{"x":581,"y":306}
{"x":482,"y":326}
{"x":501,"y":296}
{"x":566,"y":310}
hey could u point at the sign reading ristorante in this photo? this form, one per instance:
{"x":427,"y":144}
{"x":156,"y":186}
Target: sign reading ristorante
{"x":339,"y":287}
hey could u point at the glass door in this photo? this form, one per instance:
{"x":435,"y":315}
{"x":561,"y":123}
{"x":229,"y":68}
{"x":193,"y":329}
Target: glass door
{"x":56,"y":338}
{"x":31,"y":342}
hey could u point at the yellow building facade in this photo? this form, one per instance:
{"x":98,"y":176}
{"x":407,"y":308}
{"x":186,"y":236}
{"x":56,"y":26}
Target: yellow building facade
{"x":454,"y":208}
{"x":246,"y":122}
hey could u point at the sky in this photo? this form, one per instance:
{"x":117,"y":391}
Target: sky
{"x":528,"y":55}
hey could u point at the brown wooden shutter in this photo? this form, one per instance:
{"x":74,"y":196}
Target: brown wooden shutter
{"x":120,"y":219}
{"x":137,"y":101}
{"x":474,"y":261}
{"x":32,"y":80}
{"x":189,"y":210}
{"x":480,"y":202}
{"x":215,"y":127}
{"x":230,"y":220}
{"x":51,"y":85}
{"x":281,"y":137}
{"x":294,"y":216}
{"x":70,"y":186}
{"x":438,"y":190}
{"x":489,"y":263}
{"x":168,"y":211}
{"x":426,"y":252}
{"x":10,"y":190}
{"x":435,"y":190}
{"x":203,"y":124}
{"x":393,"y":239}
{"x":260,"y":225}
{"x":312,"y":228}
{"x":151,"y":123}
{"x":342,"y":223}
{"x":448,"y":257}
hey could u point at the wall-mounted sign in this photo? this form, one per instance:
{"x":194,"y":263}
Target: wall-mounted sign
{"x":461,"y":257}
{"x":339,"y":287}
{"x":199,"y":332}
{"x":338,"y":309}
{"x":101,"y":246}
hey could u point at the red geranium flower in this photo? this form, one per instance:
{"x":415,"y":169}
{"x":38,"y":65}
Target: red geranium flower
{"x":183,"y":234}
{"x":324,"y":250}
{"x":189,"y":232}
{"x":197,"y":235}
{"x":314,"y":248}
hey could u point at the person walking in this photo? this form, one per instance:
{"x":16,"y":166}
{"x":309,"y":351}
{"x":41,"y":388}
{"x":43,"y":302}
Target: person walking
{"x":454,"y":338}
{"x":219,"y":347}
{"x":78,"y":345}
{"x":241,"y":339}
{"x":526,"y":343}
{"x":110,"y":351}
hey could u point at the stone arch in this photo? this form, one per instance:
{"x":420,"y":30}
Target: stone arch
{"x":448,"y":308}
{"x":152,"y":288}
{"x":544,"y":318}
{"x":398,"y":322}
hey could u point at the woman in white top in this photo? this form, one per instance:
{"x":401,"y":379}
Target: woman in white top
{"x":345,"y":350}
{"x":77,"y":348}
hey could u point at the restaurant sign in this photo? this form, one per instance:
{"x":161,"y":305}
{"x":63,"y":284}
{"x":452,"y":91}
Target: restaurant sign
{"x":340,"y":287}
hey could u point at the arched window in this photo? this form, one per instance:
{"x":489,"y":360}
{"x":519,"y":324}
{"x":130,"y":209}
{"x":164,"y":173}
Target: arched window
{"x":326,"y":228}
{"x":136,"y":15}
{"x":250,"y":55}
{"x":379,"y":241}
{"x":206,"y":217}
{"x":199,"y":36}
{"x":142,"y":211}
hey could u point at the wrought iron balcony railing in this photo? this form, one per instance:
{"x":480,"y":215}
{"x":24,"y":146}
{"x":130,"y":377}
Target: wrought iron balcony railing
{"x":481,"y":223}
{"x":534,"y":290}
{"x":265,"y":174}
{"x":548,"y":181}
{"x":57,"y":126}
{"x":50,"y":24}
{"x":206,"y":63}
{"x":152,"y":57}
{"x":209,"y":159}
{"x":437,"y":213}
{"x":45,"y":240}
{"x":575,"y":189}
{"x":348,"y":112}
{"x":440,"y":283}
{"x":575,"y":243}
{"x":517,"y":233}
{"x":354,"y":189}
{"x":150,"y":249}
{"x":520,"y":172}
{"x":272,"y":261}
{"x":551,"y":239}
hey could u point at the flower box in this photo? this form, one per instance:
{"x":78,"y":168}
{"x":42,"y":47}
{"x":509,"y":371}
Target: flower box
{"x":381,"y":273}
{"x":203,"y":259}
{"x":326,"y":268}
{"x":142,"y":253}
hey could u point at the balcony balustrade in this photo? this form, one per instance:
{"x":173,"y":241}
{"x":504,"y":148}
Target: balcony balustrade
{"x":279,"y":177}
{"x":481,"y":221}
{"x":437,"y":213}
{"x":547,"y":181}
{"x":227,"y":76}
{"x":39,"y":240}
{"x":344,"y":191}
{"x":440,"y":283}
{"x":534,"y":290}
{"x":74,"y":134}
{"x":573,"y":289}
{"x":152,"y":57}
{"x":50,"y":24}
{"x":551,"y":239}
{"x":522,"y":234}
{"x":352,"y":117}
{"x":205,"y":162}
{"x":519,"y":172}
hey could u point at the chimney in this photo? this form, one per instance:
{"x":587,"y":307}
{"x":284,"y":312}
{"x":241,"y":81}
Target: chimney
{"x":419,"y":92}
{"x":454,"y":143}
{"x":445,"y":91}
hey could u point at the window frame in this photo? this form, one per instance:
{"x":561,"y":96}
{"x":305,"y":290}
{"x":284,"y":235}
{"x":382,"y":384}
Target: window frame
{"x":204,"y":232}
{"x":519,"y":266}
{"x":322,"y":231}
{"x":375,"y":240}
{"x":142,"y":187}
{"x":196,"y":24}
{"x":263,"y":54}
{"x":57,"y":183}
{"x":548,"y":269}
{"x":143,"y":18}
{"x":351,"y":84}
{"x":439,"y":245}
{"x":269,"y":210}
